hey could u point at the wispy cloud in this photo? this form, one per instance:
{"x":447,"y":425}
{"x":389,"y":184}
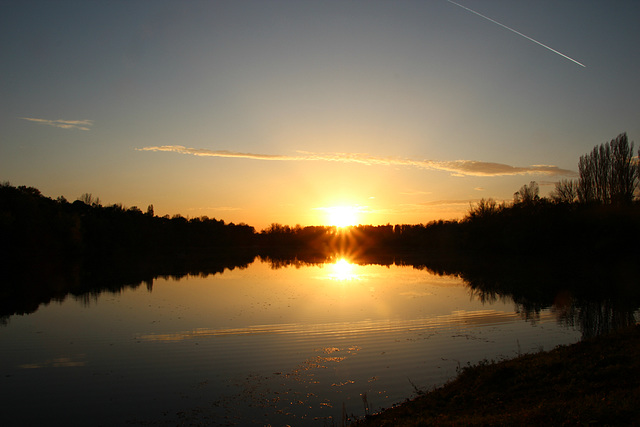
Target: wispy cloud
{"x":451,"y":202}
{"x":455,"y":167}
{"x":63,"y":124}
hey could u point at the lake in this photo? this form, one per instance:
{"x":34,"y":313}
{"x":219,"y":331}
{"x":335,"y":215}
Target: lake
{"x":297,"y":344}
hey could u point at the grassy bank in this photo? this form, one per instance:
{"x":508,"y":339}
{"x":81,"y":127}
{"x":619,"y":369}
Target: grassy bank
{"x":594,"y":382}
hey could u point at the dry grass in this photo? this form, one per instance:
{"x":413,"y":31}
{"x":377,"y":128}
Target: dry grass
{"x":595,"y":382}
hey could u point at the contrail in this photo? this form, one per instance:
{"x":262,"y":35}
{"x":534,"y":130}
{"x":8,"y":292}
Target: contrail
{"x":519,"y":33}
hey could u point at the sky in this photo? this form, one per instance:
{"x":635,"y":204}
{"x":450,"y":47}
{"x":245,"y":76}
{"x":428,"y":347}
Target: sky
{"x":261,"y":112}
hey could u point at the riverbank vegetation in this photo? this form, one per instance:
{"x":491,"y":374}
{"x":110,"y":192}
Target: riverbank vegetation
{"x":593,"y":382}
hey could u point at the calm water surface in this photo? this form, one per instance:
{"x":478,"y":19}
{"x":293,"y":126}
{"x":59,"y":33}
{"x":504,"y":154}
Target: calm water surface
{"x":300,"y":345}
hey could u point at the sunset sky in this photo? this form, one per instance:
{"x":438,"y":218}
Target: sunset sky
{"x":280,"y":111}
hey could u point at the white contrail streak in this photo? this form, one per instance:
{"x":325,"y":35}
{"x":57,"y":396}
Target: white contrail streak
{"x":518,"y":33}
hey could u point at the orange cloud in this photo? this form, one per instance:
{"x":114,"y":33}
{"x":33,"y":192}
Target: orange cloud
{"x":455,"y":167}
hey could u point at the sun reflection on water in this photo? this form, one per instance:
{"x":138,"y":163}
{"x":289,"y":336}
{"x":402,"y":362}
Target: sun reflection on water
{"x":342,"y":270}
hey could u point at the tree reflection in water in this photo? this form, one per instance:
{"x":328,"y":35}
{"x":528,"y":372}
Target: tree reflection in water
{"x":594,"y":301}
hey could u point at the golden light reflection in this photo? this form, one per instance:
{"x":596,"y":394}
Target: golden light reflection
{"x":457,"y":319}
{"x":343,"y":270}
{"x":58,"y":362}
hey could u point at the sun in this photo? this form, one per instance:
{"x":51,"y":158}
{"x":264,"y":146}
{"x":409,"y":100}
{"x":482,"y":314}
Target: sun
{"x":342,"y":216}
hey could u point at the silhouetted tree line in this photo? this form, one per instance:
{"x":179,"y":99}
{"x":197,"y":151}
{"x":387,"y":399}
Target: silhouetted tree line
{"x":555,"y":232}
{"x":595,"y":217}
{"x":33,"y":226}
{"x":357,"y":242}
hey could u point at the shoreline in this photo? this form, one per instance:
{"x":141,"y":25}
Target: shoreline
{"x":595,"y":381}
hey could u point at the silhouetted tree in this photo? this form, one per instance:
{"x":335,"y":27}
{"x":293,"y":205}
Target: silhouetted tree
{"x":484,"y":208}
{"x":566,"y":191}
{"x":609,"y":174}
{"x":88,"y":199}
{"x":528,"y":194}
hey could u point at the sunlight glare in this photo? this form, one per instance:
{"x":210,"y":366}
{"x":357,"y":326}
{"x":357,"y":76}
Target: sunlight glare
{"x":343,"y":216}
{"x":343,"y":270}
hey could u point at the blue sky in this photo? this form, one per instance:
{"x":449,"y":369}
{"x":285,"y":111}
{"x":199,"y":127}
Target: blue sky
{"x":277,"y":111}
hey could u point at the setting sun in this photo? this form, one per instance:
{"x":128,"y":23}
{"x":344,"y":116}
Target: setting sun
{"x":342,"y":216}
